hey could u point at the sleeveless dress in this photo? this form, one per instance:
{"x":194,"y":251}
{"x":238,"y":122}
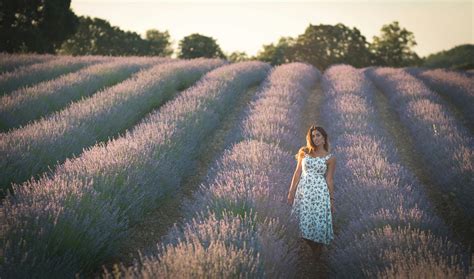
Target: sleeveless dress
{"x":312,"y":203}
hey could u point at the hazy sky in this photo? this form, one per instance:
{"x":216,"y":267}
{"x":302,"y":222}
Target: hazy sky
{"x":247,"y":25}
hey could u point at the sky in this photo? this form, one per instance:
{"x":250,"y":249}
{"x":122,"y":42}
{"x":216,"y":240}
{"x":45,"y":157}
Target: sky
{"x":248,"y":25}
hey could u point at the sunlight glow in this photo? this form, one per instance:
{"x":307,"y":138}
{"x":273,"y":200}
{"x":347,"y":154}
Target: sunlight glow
{"x":247,"y":25}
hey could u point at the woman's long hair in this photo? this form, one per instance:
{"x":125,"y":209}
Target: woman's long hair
{"x":310,"y":146}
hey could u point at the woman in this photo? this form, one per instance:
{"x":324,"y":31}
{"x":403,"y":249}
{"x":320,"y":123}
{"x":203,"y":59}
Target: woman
{"x":312,"y":190}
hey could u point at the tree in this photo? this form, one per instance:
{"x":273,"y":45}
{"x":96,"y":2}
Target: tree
{"x":278,"y":54}
{"x":96,"y":36}
{"x":160,"y":43}
{"x":323,"y":45}
{"x":238,"y":56}
{"x":196,"y":45}
{"x":393,"y":47}
{"x":35,"y":25}
{"x":460,"y":57}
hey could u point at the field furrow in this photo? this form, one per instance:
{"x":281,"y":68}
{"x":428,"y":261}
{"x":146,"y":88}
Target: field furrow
{"x":35,"y":148}
{"x":156,"y":167}
{"x":455,"y":87}
{"x":80,"y":216}
{"x":159,"y":221}
{"x":387,"y":224}
{"x":444,"y":144}
{"x":10,"y":62}
{"x":31,"y":103}
{"x":406,"y":148}
{"x":234,"y":226}
{"x":28,"y":75}
{"x":308,"y":266}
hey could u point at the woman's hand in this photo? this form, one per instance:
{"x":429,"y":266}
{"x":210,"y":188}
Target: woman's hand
{"x":291,"y":198}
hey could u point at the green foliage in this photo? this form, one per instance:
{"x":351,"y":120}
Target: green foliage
{"x":324,"y":45}
{"x":96,"y":36}
{"x":35,"y":25}
{"x":196,"y":45}
{"x":47,"y":25}
{"x":278,"y":54}
{"x":159,"y":42}
{"x":458,"y":58}
{"x":238,"y":56}
{"x":393,"y":47}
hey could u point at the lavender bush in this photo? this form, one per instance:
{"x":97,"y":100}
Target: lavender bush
{"x":245,"y":187}
{"x":34,"y":148}
{"x":30,"y":103}
{"x":444,"y":143}
{"x":212,"y":247}
{"x":455,"y":86}
{"x":385,"y":218}
{"x":10,"y":62}
{"x":79,"y":216}
{"x":27,"y":75}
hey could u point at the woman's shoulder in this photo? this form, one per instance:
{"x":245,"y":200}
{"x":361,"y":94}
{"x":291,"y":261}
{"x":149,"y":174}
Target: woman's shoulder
{"x":301,"y":153}
{"x":330,"y":157}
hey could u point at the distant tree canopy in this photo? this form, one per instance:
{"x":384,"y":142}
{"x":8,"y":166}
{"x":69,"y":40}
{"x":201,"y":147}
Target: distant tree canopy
{"x":196,"y":45}
{"x":282,"y":52}
{"x":160,"y":42}
{"x":323,"y":45}
{"x":48,"y":26}
{"x":238,"y":56}
{"x":96,"y":36}
{"x":35,"y":25}
{"x":458,"y":58}
{"x":393,"y":47}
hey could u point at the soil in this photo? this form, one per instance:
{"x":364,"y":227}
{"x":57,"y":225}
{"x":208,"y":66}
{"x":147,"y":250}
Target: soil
{"x":311,"y":267}
{"x":404,"y":143}
{"x":144,"y":235}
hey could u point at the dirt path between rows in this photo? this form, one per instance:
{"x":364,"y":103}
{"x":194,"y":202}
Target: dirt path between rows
{"x":148,"y":232}
{"x":311,"y":267}
{"x":457,"y":112}
{"x":404,"y":143}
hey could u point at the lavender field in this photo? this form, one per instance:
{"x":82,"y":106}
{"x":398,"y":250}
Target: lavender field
{"x":135,"y":167}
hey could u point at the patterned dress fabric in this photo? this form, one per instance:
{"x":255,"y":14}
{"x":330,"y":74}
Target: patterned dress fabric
{"x":312,"y":203}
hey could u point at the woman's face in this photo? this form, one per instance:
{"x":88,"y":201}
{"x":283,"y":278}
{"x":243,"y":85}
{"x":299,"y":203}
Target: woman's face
{"x":317,"y":137}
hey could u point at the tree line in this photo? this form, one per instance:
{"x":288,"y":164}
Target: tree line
{"x":50,"y":26}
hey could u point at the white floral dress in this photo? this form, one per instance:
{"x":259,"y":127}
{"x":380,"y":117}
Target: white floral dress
{"x":312,"y":204}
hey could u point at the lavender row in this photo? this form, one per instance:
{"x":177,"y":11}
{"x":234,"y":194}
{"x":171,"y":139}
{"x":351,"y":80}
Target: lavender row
{"x":269,"y":121}
{"x":229,"y":239}
{"x":387,"y":224}
{"x":30,"y":103}
{"x":274,"y":123}
{"x":224,"y":246}
{"x":79,"y":216}
{"x":28,"y":75}
{"x":455,"y":86}
{"x":236,"y":224}
{"x":445,"y":144}
{"x":10,"y":62}
{"x":32,"y":149}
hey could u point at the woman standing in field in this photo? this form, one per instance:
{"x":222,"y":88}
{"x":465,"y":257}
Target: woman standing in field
{"x":312,"y":190}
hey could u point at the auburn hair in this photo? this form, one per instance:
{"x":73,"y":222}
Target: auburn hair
{"x":310,"y":146}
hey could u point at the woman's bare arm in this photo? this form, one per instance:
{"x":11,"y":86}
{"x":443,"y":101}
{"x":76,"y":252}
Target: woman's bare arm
{"x":296,"y":178}
{"x":330,"y":175}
